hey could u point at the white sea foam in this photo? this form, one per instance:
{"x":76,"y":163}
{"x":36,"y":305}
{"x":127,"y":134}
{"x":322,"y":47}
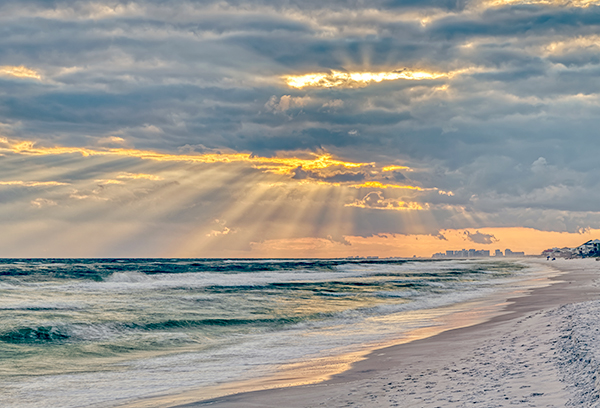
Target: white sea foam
{"x":134,"y":281}
{"x":128,"y":277}
{"x":9,"y":286}
{"x":172,"y":312}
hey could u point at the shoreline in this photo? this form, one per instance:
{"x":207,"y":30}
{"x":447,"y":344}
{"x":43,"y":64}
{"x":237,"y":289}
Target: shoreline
{"x":378,"y":368}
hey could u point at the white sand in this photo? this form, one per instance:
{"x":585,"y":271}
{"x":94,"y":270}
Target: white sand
{"x":544,"y":353}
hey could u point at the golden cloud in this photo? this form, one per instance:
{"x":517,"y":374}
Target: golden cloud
{"x":43,"y":202}
{"x":109,"y":181}
{"x":376,"y":201}
{"x":335,"y":79}
{"x":394,"y":167}
{"x":324,"y":167}
{"x":568,"y":45}
{"x":377,"y":184}
{"x":395,"y":205}
{"x":137,"y":176}
{"x":19,"y":72}
{"x":129,"y":176}
{"x":32,"y":183}
{"x":278,"y":165}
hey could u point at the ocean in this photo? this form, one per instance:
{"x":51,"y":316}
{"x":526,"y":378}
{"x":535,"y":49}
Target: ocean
{"x":106,"y":332}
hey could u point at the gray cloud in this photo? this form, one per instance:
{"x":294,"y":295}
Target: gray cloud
{"x":514,"y":137}
{"x":480,"y":238}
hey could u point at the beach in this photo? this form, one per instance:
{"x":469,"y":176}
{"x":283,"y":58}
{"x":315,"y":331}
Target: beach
{"x":297,"y":333}
{"x":537,"y":351}
{"x":299,"y":204}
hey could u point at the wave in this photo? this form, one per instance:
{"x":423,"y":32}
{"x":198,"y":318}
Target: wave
{"x":153,"y":326}
{"x":127,"y":277}
{"x":183,"y":324}
{"x":80,"y":332}
{"x":100,"y":269}
{"x":43,"y":307}
{"x":42,"y":334}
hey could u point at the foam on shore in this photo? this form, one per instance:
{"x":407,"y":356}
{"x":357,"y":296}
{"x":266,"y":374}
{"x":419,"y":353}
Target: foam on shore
{"x":541,"y":351}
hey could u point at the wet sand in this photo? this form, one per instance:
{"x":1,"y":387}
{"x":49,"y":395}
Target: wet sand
{"x":506,"y":361}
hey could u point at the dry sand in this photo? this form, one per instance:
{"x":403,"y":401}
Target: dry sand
{"x":524,"y":357}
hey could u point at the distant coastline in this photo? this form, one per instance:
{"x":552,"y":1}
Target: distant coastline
{"x":478,"y":253}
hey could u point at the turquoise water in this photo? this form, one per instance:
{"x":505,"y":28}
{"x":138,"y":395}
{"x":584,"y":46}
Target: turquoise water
{"x":81,"y":333}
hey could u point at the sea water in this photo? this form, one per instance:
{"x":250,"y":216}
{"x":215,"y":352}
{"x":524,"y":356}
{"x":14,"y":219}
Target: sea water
{"x":102,"y":332}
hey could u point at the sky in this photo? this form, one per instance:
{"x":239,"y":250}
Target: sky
{"x":297,"y":128}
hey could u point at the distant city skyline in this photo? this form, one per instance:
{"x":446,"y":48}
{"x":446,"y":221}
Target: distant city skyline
{"x":477,"y":253}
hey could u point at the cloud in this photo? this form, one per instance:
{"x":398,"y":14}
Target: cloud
{"x":335,"y":103}
{"x":315,"y":110}
{"x":32,"y":183}
{"x":336,"y":79}
{"x":43,"y":202}
{"x":223,"y":229}
{"x":554,"y":3}
{"x":441,"y":237}
{"x":539,"y":165}
{"x":394,"y":167}
{"x":280,"y":165}
{"x":139,"y":176}
{"x":109,"y":181}
{"x":19,"y":72}
{"x":286,"y":102}
{"x":375,"y":200}
{"x":328,"y":176}
{"x":111,"y":140}
{"x":480,"y":238}
{"x":377,"y":184}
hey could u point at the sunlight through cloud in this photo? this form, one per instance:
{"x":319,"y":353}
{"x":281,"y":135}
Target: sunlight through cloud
{"x":376,"y":201}
{"x":19,"y":72}
{"x":32,"y":183}
{"x":277,"y":165}
{"x":139,"y":176}
{"x":377,"y":184}
{"x":335,"y":79}
{"x":395,"y":167}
